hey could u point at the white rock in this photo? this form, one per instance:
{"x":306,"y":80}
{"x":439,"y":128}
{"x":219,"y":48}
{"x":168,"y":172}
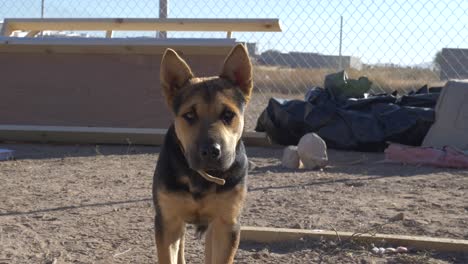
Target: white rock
{"x":375,"y":250}
{"x":381,"y":251}
{"x":390,"y":250}
{"x":312,"y":151}
{"x":401,"y":250}
{"x":291,"y":158}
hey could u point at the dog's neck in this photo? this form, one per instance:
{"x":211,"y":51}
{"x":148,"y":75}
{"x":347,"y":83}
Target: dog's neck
{"x":238,"y":163}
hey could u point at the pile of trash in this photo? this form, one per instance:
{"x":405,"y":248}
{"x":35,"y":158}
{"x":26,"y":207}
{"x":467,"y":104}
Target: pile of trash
{"x":347,"y":118}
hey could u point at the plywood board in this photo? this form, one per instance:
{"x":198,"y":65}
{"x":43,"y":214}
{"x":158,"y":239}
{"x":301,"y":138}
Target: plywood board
{"x":451,"y":123}
{"x":94,"y":90}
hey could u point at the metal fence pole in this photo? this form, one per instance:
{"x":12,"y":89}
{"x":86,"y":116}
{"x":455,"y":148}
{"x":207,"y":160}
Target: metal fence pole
{"x":341,"y":42}
{"x":162,"y":14}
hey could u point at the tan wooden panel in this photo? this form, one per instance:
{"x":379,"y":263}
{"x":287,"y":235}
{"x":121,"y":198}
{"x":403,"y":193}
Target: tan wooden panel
{"x":104,"y":90}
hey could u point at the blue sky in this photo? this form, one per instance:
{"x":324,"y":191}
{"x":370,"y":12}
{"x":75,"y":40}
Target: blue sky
{"x":400,"y":32}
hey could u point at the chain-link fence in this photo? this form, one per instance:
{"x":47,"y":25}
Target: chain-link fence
{"x":398,"y":45}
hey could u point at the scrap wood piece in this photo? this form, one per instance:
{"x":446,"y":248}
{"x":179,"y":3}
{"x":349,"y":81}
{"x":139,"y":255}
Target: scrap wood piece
{"x":269,"y":235}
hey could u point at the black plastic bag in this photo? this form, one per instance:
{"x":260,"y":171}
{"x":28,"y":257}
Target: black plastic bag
{"x":365,"y":124}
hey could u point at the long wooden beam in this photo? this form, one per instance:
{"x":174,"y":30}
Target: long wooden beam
{"x":270,"y":235}
{"x":140,"y":24}
{"x":101,"y":135}
{"x":115,"y":46}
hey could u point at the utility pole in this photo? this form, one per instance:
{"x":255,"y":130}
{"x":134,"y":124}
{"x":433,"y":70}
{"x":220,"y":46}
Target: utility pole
{"x":42,"y":14}
{"x":341,"y":42}
{"x":162,"y":14}
{"x":42,"y":8}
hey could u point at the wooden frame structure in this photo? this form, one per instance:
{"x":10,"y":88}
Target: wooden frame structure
{"x":270,"y":235}
{"x":61,"y":93}
{"x":36,"y":25}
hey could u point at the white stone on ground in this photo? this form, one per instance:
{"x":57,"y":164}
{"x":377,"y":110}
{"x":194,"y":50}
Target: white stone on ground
{"x":291,"y":158}
{"x":312,"y":151}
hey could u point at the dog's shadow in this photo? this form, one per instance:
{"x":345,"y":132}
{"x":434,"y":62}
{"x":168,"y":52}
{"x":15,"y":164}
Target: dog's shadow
{"x":283,"y":247}
{"x":261,"y":250}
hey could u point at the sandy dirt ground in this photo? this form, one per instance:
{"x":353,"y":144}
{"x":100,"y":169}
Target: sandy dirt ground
{"x":92,"y":204}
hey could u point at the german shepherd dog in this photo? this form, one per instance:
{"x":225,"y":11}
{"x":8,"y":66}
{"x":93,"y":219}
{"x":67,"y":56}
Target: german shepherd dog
{"x":200,"y":176}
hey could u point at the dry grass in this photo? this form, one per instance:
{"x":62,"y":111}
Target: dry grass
{"x":385,"y":79}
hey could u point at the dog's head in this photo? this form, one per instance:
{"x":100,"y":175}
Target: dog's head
{"x":209,"y":111}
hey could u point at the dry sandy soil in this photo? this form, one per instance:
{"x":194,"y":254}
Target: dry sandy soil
{"x":92,"y":204}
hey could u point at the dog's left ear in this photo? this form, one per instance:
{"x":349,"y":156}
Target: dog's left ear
{"x":174,"y":73}
{"x":238,"y":69}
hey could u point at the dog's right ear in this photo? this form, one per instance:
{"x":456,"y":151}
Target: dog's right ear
{"x":175,"y":72}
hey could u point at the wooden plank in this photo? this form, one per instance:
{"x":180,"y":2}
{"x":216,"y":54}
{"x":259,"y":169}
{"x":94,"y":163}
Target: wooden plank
{"x":6,"y":29}
{"x":271,"y":235}
{"x":33,"y":33}
{"x":100,"y":135}
{"x":116,"y":46}
{"x":257,"y":139}
{"x":212,"y":42}
{"x":140,"y":24}
{"x":84,"y":135}
{"x":123,"y":49}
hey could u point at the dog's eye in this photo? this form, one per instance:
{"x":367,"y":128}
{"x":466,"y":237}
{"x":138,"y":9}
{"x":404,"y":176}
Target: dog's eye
{"x":227,"y":116}
{"x":190,"y":116}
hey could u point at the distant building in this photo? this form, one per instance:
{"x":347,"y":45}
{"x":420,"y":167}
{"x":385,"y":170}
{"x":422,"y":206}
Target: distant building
{"x":307,"y":60}
{"x":252,"y":48}
{"x":454,"y":64}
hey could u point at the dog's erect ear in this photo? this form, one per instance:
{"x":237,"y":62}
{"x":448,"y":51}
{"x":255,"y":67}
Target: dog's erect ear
{"x":174,"y":74}
{"x":238,"y":69}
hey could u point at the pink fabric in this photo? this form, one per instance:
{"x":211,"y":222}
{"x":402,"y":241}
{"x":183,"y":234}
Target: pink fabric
{"x":447,"y":157}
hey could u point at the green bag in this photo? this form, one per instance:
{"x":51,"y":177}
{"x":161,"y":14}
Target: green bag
{"x":340,"y":87}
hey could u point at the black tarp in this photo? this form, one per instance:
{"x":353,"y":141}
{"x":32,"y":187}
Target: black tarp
{"x":362,"y":124}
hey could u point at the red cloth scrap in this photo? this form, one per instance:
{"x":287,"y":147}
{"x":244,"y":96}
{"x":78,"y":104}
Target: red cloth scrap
{"x":446,"y":157}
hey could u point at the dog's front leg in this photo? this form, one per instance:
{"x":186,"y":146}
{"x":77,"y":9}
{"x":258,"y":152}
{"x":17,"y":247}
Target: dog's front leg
{"x":223,"y":242}
{"x":169,"y":240}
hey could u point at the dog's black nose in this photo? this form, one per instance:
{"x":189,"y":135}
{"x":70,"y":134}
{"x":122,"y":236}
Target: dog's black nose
{"x":212,"y":151}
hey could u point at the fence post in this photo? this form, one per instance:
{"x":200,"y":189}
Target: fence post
{"x":162,"y":14}
{"x":341,"y":42}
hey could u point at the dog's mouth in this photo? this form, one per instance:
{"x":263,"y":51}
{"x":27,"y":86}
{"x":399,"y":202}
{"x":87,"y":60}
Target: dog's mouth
{"x":197,"y":163}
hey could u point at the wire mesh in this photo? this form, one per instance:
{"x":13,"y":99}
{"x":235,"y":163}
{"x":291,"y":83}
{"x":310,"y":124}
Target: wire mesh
{"x":399,"y":45}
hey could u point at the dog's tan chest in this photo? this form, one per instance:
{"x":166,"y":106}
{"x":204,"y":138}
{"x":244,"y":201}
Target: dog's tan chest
{"x":225,"y":205}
